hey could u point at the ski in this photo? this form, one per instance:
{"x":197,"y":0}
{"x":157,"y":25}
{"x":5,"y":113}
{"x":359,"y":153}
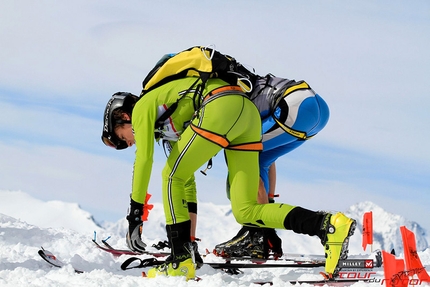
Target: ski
{"x":352,"y":261}
{"x":301,"y":261}
{"x":306,"y":258}
{"x":53,"y":260}
{"x":333,"y":282}
{"x":118,"y":252}
{"x":231,"y":268}
{"x":142,"y":263}
{"x":229,"y":265}
{"x":254,"y":262}
{"x":296,"y":260}
{"x":294,"y":257}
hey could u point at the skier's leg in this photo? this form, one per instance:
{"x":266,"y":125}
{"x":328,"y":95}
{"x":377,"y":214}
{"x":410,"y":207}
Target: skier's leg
{"x":333,"y":230}
{"x":191,"y":198}
{"x":191,"y":152}
{"x":187,"y":155}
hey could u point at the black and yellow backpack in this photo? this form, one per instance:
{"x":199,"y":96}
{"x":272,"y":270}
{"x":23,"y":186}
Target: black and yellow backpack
{"x":200,"y":62}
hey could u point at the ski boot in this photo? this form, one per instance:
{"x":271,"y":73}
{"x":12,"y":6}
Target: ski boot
{"x":175,"y":268}
{"x":251,"y":242}
{"x":337,"y":228}
{"x":273,"y":242}
{"x":181,"y":261}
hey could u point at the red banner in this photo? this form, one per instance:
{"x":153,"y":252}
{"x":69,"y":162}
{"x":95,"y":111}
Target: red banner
{"x":394,"y":271}
{"x":367,"y":229}
{"x":413,"y":262}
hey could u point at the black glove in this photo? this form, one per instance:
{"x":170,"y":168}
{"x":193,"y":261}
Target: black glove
{"x":133,"y":237}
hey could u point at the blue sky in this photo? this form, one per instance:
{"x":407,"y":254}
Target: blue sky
{"x":61,"y":61}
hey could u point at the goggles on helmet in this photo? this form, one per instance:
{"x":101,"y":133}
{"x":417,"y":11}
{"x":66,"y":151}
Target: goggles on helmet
{"x":114,"y":143}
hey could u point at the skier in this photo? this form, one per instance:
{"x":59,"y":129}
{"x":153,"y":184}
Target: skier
{"x":299,"y":115}
{"x":230,"y":122}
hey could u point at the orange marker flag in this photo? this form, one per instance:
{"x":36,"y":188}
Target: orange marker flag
{"x":394,"y":271}
{"x":367,"y":229}
{"x":413,"y":262}
{"x":146,"y":207}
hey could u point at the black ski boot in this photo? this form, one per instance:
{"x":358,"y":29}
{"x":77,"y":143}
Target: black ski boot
{"x":251,"y":242}
{"x":273,"y":242}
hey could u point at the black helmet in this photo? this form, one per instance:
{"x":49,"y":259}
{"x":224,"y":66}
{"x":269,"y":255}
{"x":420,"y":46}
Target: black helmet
{"x":122,"y":100}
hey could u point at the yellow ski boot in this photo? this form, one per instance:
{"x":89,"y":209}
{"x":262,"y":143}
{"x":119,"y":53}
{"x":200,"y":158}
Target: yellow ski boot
{"x":181,"y":261}
{"x":339,"y":228}
{"x":185,"y":268}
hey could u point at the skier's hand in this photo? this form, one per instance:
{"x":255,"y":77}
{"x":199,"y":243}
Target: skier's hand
{"x":133,"y":237}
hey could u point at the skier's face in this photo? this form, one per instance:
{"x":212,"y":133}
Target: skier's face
{"x":125,"y":133}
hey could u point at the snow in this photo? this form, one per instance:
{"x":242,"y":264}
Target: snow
{"x":63,"y":228}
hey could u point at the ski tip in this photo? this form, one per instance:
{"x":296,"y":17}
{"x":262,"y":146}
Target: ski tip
{"x":46,"y":253}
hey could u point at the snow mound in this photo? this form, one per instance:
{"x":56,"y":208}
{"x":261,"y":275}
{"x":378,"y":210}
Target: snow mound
{"x":54,"y":214}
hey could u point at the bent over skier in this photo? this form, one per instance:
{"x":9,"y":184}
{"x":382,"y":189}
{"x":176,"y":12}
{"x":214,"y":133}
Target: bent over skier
{"x":222,"y":118}
{"x":291,"y":113}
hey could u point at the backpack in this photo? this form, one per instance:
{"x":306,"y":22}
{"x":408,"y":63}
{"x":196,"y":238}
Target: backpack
{"x":200,"y":62}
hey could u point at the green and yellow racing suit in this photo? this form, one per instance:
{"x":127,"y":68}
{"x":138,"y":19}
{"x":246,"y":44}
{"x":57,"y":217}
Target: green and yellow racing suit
{"x":201,"y":128}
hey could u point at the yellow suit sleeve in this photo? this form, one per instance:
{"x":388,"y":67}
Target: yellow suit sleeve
{"x":143,"y":121}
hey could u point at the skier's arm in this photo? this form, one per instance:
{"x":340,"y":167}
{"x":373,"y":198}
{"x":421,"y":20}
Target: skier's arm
{"x":272,"y":182}
{"x":143,"y":119}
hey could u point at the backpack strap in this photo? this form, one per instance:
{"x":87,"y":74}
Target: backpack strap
{"x":292,"y":87}
{"x":222,"y":140}
{"x":283,"y":90}
{"x":216,"y":138}
{"x":222,"y":91}
{"x":293,"y":132}
{"x":170,"y":110}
